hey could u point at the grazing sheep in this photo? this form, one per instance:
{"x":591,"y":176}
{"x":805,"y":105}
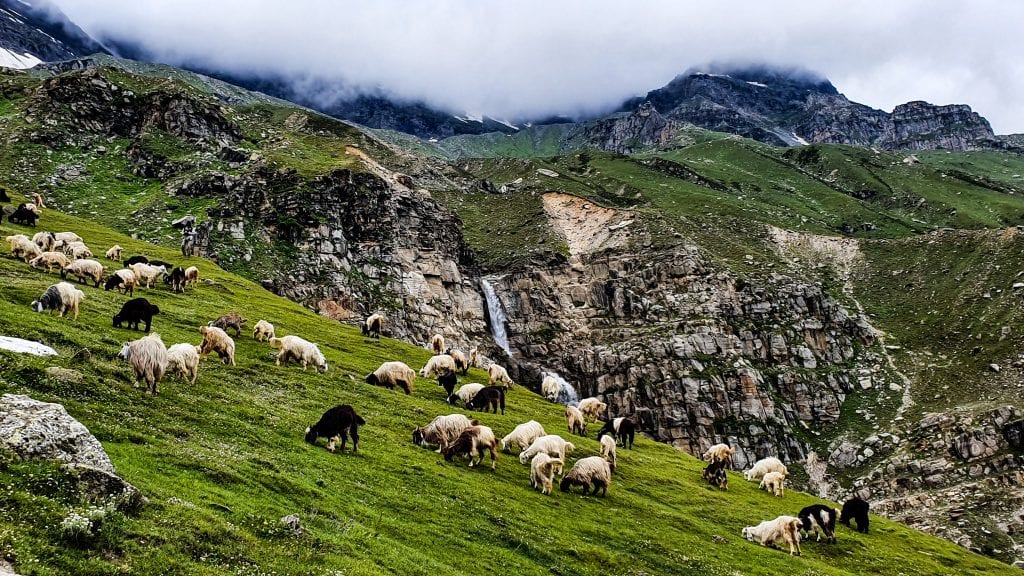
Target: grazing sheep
{"x":437,"y":364}
{"x":84,"y":270}
{"x":437,"y":344}
{"x":67,"y":237}
{"x":764,"y":466}
{"x":542,"y":472}
{"x":472,"y":442}
{"x":715,"y":474}
{"x":575,"y":421}
{"x":136,"y":260}
{"x":135,"y":311}
{"x":217,"y":340}
{"x":67,"y":247}
{"x":608,"y":451}
{"x":550,"y":388}
{"x":146,"y":274}
{"x":523,"y":435}
{"x":148,"y":357}
{"x":176,"y":278}
{"x":491,"y":397}
{"x":391,"y":374}
{"x":551,"y":444}
{"x":496,"y":374}
{"x":336,"y":423}
{"x":775,"y":533}
{"x":373,"y":325}
{"x":15,"y":240}
{"x":62,"y":297}
{"x":448,"y":380}
{"x":231,"y":320}
{"x":465,"y":393}
{"x":124,"y":280}
{"x":263,"y":331}
{"x":31,"y":207}
{"x":461,"y":362}
{"x":183,"y":359}
{"x":45,"y":240}
{"x":166,"y":265}
{"x":719,"y":453}
{"x":474,"y":359}
{"x":774,"y":482}
{"x":591,"y":471}
{"x":114,"y":253}
{"x":38,"y":201}
{"x":23,"y":216}
{"x":22,"y":247}
{"x":49,"y":261}
{"x":593,"y":408}
{"x":819,"y":519}
{"x":191,"y":275}
{"x":79,"y":250}
{"x":622,"y":429}
{"x":441,"y":431}
{"x":302,"y":351}
{"x":857,"y":510}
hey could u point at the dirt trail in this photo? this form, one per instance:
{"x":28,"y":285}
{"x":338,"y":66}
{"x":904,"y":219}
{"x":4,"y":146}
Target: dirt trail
{"x":586,"y":226}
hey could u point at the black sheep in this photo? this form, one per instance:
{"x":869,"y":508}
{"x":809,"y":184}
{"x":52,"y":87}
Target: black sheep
{"x":489,"y":397}
{"x":856,"y":509}
{"x":821,"y":519}
{"x":3,"y":195}
{"x":135,"y":311}
{"x":136,"y":260}
{"x":337,"y":422}
{"x":176,"y":278}
{"x":448,"y":380}
{"x":23,"y":216}
{"x":715,"y":474}
{"x":167,"y":265}
{"x":621,"y":429}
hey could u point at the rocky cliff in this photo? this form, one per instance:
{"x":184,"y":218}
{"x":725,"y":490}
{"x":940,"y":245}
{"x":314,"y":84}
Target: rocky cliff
{"x":923,"y":126}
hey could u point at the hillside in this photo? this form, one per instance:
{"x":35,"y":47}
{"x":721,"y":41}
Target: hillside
{"x":221,"y":461}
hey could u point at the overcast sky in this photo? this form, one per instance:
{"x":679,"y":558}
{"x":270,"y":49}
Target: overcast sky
{"x":528,"y":58}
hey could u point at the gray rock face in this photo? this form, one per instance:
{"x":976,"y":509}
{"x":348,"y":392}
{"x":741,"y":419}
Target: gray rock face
{"x":632,"y":131}
{"x":696,"y":356}
{"x":923,"y":126}
{"x":40,"y":430}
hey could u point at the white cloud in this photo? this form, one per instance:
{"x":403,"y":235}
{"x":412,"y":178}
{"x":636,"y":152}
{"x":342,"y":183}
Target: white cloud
{"x":528,"y":58}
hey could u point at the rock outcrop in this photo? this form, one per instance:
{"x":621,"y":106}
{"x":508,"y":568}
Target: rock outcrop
{"x":629,"y":132}
{"x":923,"y":126}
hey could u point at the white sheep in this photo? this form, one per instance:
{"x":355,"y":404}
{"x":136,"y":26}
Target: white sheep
{"x":764,"y":466}
{"x":67,"y":237}
{"x":498,"y":374}
{"x":551,"y":444}
{"x":38,"y":201}
{"x":45,"y":241}
{"x":114,"y":253}
{"x":466,"y":392}
{"x":775,"y":533}
{"x":263,"y":331}
{"x":437,"y":344}
{"x":474,"y":359}
{"x":523,"y":435}
{"x":608,"y":450}
{"x":719,"y":453}
{"x":191,"y":276}
{"x":550,"y":388}
{"x":123,"y":280}
{"x":373,"y":326}
{"x":146,"y":274}
{"x":461,"y":362}
{"x":24,"y":248}
{"x":183,"y":359}
{"x":437,"y":365}
{"x":302,"y":351}
{"x":575,"y":421}
{"x":49,"y":261}
{"x":148,"y":357}
{"x":542,"y":472}
{"x":62,"y":297}
{"x":591,"y":471}
{"x":441,"y":431}
{"x":84,"y":270}
{"x":69,"y":247}
{"x":81,"y":251}
{"x":774,"y":482}
{"x":592,"y":408}
{"x":217,"y":340}
{"x":391,"y":374}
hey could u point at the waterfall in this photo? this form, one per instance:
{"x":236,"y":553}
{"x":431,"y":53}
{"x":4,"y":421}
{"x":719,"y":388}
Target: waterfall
{"x":497,"y":314}
{"x":568,"y":395}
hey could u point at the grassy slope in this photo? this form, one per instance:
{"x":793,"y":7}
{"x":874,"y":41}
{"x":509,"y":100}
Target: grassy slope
{"x":231,"y":445}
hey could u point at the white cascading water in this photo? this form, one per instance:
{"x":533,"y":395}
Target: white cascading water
{"x":497,"y":314}
{"x":568,"y":394}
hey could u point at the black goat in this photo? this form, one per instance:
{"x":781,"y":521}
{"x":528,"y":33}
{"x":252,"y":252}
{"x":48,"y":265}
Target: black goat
{"x":136,"y":260}
{"x":820,"y":519}
{"x":135,"y":311}
{"x":622,"y":429}
{"x":448,"y":380}
{"x":715,"y":474}
{"x":491,"y":397}
{"x":176,"y":278}
{"x":856,"y":509}
{"x":23,"y":216}
{"x":339,"y":421}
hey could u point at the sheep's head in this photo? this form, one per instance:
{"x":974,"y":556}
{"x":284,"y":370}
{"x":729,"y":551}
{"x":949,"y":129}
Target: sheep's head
{"x":371,"y":378}
{"x":748,"y":533}
{"x":417,"y":436}
{"x":523,"y":459}
{"x":126,"y":351}
{"x":565,"y":484}
{"x":452,"y":399}
{"x":311,"y":435}
{"x":37,"y":305}
{"x":322,"y":368}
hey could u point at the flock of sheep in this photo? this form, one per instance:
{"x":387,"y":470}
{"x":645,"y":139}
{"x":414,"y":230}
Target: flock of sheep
{"x":454,"y":435}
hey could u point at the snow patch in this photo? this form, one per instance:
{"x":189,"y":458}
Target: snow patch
{"x":25,"y":346}
{"x":507,"y":123}
{"x":9,"y":59}
{"x":799,"y":139}
{"x":758,"y":84}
